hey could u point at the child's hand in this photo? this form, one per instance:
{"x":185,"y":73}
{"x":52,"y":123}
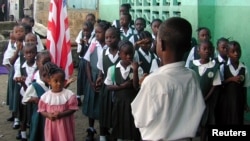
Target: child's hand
{"x":56,"y":115}
{"x":127,"y":84}
{"x":99,"y":81}
{"x":143,"y":41}
{"x":34,"y":100}
{"x":135,"y":65}
{"x":20,"y":79}
{"x":51,"y":116}
{"x":237,"y":79}
{"x":19,"y":45}
{"x":84,"y":41}
{"x":69,"y":81}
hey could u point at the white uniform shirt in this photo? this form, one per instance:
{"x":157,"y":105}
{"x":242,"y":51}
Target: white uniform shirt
{"x":11,"y":49}
{"x":31,"y":91}
{"x":94,"y":45}
{"x":79,"y":37}
{"x":39,"y":45}
{"x":169,"y":105}
{"x":30,"y":70}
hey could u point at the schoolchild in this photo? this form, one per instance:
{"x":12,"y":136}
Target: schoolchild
{"x":91,"y":98}
{"x":123,"y":80}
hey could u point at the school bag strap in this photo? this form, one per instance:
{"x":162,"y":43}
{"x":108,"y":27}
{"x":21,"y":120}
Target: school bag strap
{"x":38,"y":88}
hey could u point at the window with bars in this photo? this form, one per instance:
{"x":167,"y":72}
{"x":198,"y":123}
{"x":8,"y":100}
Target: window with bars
{"x":152,"y":9}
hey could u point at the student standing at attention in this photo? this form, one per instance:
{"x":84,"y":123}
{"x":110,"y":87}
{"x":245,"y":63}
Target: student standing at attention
{"x":58,"y":106}
{"x":123,"y":80}
{"x":173,"y":108}
{"x":209,"y":78}
{"x":233,"y":99}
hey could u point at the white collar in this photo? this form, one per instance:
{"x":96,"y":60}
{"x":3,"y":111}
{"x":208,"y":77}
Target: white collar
{"x":119,"y":65}
{"x":241,"y":65}
{"x":210,"y":64}
{"x":26,"y":65}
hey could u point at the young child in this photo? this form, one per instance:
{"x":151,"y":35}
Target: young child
{"x":140,"y":25}
{"x":204,"y":34}
{"x":233,"y":100}
{"x":30,"y":21}
{"x":155,"y":24}
{"x":209,"y":78}
{"x":41,"y":58}
{"x":123,"y":80}
{"x":172,"y":109}
{"x":90,"y":18}
{"x":81,"y":50}
{"x":148,"y":60}
{"x":107,"y":58}
{"x":23,"y":75}
{"x":92,"y":98}
{"x":222,"y":44}
{"x":126,"y":30}
{"x":220,"y":59}
{"x":9,"y":52}
{"x":58,"y":106}
{"x":124,"y":8}
{"x":32,"y":96}
{"x":10,"y":56}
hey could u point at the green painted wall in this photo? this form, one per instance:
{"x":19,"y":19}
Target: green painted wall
{"x":230,"y":19}
{"x":225,"y":18}
{"x":109,"y":9}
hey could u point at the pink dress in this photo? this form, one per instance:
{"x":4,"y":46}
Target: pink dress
{"x":61,"y":129}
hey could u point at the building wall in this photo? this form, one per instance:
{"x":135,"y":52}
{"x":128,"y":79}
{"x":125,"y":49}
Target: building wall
{"x":76,"y":16}
{"x":225,"y":18}
{"x":109,"y":10}
{"x":230,"y":19}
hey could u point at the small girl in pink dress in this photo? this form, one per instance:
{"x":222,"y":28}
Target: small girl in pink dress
{"x":58,"y":106}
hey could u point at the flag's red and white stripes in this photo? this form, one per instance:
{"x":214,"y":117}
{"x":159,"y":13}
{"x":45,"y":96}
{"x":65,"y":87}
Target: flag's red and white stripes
{"x":58,"y":36}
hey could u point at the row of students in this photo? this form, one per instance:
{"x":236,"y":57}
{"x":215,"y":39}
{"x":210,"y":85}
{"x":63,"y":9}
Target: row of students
{"x":215,"y":76}
{"x":101,"y":54}
{"x":28,"y":67}
{"x":223,"y":82}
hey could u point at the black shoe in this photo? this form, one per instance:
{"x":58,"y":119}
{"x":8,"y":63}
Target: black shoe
{"x":18,"y":136}
{"x":90,"y":136}
{"x":10,"y":119}
{"x":24,"y":140}
{"x":79,"y":101}
{"x":16,"y":126}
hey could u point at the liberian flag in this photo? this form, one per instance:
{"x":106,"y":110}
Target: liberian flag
{"x":58,"y":36}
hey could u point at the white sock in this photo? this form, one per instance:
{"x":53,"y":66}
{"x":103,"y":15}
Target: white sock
{"x":78,"y":96}
{"x":102,"y":138}
{"x":23,"y":134}
{"x":16,"y":121}
{"x":119,"y":140}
